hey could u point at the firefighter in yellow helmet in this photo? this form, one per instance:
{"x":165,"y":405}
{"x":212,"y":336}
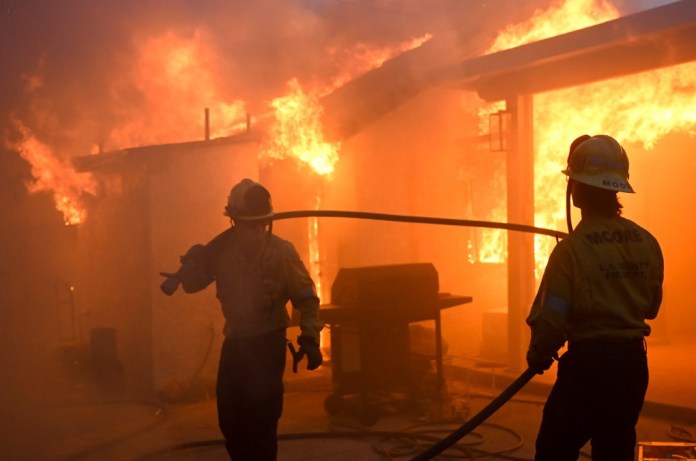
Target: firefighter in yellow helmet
{"x":600,"y":285}
{"x":256,"y":273}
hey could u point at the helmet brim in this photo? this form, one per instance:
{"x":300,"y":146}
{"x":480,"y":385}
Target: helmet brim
{"x":607,"y":181}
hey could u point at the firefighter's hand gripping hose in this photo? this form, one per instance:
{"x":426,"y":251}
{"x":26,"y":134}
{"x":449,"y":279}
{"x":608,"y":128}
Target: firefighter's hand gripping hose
{"x":478,"y":418}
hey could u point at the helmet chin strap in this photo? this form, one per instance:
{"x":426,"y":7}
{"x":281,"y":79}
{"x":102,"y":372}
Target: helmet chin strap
{"x":569,"y":221}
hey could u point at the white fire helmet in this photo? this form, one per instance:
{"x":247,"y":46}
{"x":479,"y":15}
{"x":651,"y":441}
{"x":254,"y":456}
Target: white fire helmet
{"x":249,"y":201}
{"x":599,"y":161}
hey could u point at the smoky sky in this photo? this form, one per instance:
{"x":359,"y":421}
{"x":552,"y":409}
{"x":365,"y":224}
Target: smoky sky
{"x":58,"y":57}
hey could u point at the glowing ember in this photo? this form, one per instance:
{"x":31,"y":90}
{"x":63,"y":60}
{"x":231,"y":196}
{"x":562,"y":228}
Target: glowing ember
{"x":50,"y":174}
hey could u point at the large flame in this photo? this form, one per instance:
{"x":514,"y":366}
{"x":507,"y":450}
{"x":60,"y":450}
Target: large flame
{"x":175,"y":78}
{"x":53,"y":175}
{"x":298,"y":131}
{"x":637,"y":109}
{"x":559,"y":18}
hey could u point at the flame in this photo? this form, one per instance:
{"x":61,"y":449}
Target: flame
{"x":657,"y":103}
{"x":51,"y":174}
{"x":362,"y":58}
{"x":640,"y":108}
{"x":174,"y":78}
{"x":297,"y":131}
{"x":559,"y":18}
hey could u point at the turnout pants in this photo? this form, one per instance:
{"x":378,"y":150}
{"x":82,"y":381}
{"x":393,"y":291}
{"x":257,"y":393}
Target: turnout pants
{"x":598,"y":395}
{"x":250,"y":395}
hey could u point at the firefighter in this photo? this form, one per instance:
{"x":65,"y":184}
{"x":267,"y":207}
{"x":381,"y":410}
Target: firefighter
{"x":600,"y":285}
{"x":256,"y":273}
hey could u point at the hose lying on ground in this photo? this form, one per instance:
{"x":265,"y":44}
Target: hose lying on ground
{"x":478,"y":418}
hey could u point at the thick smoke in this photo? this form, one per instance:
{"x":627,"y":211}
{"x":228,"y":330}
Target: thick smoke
{"x":61,"y":59}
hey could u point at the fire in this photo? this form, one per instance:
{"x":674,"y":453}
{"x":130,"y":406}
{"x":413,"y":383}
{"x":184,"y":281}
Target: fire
{"x":658,"y":103}
{"x":558,"y":19}
{"x":362,"y":58}
{"x":297,"y":131}
{"x":637,"y":109}
{"x":51,"y":174}
{"x":175,"y":79}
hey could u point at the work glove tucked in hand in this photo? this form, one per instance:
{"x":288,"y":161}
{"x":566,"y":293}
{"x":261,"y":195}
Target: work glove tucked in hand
{"x":310,"y":348}
{"x":538,"y":363}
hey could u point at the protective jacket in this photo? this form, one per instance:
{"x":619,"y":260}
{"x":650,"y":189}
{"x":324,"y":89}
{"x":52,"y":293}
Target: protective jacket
{"x":254,"y":289}
{"x":601,"y":282}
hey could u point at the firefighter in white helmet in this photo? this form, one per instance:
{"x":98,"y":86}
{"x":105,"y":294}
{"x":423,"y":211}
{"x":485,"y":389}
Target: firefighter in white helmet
{"x":256,"y":273}
{"x":600,"y":285}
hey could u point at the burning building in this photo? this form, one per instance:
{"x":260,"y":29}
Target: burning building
{"x":407,"y":138}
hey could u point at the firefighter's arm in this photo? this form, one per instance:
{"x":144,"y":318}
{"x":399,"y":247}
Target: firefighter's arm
{"x":548,"y":333}
{"x":303,"y":297}
{"x":548,"y":318}
{"x":192,"y":274}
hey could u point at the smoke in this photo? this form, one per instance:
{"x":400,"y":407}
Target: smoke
{"x":71,"y":68}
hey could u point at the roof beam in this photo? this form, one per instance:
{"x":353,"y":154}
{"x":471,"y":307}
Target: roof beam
{"x":651,"y":39}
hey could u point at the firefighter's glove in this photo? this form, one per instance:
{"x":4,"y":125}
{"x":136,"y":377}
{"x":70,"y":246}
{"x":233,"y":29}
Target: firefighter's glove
{"x":538,"y":363}
{"x":310,"y":348}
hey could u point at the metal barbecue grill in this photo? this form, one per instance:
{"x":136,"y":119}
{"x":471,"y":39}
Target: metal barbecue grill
{"x":372,"y":362}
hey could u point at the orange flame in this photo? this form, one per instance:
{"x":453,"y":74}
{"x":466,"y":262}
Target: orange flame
{"x":51,"y":174}
{"x":558,"y":19}
{"x":297,"y":131}
{"x":656,"y":103}
{"x":362,"y":58}
{"x":175,"y":79}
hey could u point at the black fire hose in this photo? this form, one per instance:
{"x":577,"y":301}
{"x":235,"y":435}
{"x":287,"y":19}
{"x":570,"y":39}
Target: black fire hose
{"x":507,"y":394}
{"x":416,"y":219}
{"x":520,"y":382}
{"x":171,"y":282}
{"x":478,"y":418}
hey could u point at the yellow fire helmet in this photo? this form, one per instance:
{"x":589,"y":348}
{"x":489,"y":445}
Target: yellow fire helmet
{"x":249,"y":201}
{"x":600,"y":161}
